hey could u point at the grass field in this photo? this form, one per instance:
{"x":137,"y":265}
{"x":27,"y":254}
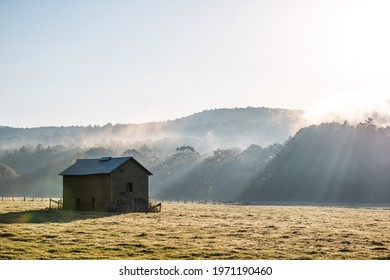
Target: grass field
{"x":194,"y":231}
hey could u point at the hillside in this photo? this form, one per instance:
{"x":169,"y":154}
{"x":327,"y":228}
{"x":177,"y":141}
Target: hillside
{"x":36,"y":155}
{"x":207,"y":131}
{"x":199,"y":158}
{"x":220,"y":176}
{"x":328,"y":163}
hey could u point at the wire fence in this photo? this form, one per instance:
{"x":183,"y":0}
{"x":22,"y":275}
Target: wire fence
{"x":153,"y":200}
{"x":194,"y":201}
{"x":27,"y":198}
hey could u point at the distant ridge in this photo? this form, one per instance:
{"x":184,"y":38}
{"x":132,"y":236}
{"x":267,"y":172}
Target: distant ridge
{"x":227,"y":127}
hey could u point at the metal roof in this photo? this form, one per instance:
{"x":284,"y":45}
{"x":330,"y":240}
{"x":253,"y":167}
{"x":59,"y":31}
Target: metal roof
{"x":98,"y":166}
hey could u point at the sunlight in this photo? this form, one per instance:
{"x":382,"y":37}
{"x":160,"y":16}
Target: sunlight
{"x":364,"y":43}
{"x":351,"y":109}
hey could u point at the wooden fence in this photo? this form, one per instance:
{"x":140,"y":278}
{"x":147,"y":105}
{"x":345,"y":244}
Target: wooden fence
{"x":154,"y":208}
{"x":59,"y":204}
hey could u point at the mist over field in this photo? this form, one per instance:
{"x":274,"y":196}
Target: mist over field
{"x":246,"y":155}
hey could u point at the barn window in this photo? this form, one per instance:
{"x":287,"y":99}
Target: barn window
{"x":93,"y":203}
{"x":129,"y":187}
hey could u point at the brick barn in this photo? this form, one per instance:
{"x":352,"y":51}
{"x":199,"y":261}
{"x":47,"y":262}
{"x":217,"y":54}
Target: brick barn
{"x":106,"y":184}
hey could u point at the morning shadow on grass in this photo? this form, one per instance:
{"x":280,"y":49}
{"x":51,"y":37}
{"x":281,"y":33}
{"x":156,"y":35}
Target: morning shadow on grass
{"x":51,"y":216}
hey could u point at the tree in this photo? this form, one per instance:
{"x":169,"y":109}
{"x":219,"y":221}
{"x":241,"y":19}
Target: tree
{"x":97,"y":152}
{"x":185,"y":149}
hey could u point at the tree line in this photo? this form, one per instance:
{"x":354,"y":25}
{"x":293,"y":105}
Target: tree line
{"x":330,"y":162}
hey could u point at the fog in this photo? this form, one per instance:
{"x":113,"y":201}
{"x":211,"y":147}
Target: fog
{"x":239,"y":155}
{"x":207,"y":131}
{"x":351,"y":109}
{"x":37,"y":155}
{"x":328,"y":163}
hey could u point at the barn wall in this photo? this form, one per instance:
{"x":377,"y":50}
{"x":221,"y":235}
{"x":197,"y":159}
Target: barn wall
{"x":91,"y":190}
{"x":129,"y":188}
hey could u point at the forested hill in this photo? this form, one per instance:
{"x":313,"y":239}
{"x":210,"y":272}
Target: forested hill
{"x":207,"y":130}
{"x":31,"y":158}
{"x":332,"y":162}
{"x":327,"y":163}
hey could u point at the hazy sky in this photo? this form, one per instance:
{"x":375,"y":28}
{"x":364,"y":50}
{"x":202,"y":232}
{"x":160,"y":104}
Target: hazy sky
{"x":94,"y":62}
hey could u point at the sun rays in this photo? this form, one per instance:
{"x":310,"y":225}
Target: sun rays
{"x":350,"y":108}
